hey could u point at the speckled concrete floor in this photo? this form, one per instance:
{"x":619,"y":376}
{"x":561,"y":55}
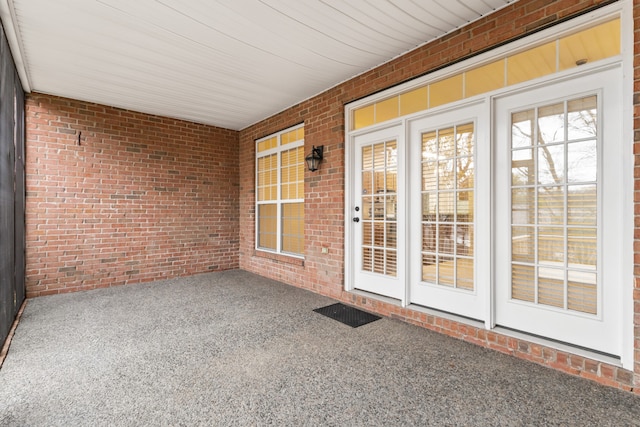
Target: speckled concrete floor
{"x":233,"y":348}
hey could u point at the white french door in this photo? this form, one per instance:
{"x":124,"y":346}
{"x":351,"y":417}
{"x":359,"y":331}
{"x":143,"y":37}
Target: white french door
{"x":446,"y":197}
{"x":558,"y":204}
{"x":507,"y":210}
{"x":378,"y":212}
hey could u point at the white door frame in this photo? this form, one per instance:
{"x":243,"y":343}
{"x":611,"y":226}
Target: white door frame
{"x":473,"y":304}
{"x":380,"y":284}
{"x":622,"y":10}
{"x":601,"y":332}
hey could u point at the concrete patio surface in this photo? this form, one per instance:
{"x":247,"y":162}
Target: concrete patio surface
{"x":233,"y":348}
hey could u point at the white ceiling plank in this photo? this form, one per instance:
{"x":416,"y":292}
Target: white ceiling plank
{"x":220,"y":62}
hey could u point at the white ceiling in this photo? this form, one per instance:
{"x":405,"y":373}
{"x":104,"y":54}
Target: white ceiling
{"x":227,"y":63}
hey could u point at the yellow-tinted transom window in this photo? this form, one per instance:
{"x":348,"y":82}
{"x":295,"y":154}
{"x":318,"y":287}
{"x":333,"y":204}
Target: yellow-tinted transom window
{"x":592,"y":44}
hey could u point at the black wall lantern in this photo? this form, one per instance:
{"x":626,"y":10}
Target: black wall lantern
{"x":314,"y":159}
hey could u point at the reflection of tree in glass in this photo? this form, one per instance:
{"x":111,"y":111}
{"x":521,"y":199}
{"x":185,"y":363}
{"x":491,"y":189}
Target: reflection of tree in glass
{"x":582,"y":160}
{"x":582,"y":118}
{"x":522,"y":165}
{"x":446,"y":153}
{"x":561,"y":190}
{"x":464,"y":142}
{"x":581,"y":123}
{"x":551,"y":130}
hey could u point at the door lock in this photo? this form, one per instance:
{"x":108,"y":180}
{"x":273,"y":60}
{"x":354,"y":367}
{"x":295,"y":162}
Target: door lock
{"x":356,"y":219}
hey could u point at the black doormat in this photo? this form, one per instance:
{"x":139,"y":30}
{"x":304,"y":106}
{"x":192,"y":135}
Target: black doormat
{"x":348,"y":315}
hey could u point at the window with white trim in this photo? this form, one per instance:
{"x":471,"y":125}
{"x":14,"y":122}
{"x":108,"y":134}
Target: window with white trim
{"x":524,"y":226}
{"x":280,"y":192}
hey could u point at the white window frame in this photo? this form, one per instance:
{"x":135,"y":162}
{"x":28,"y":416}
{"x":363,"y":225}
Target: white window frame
{"x":279,"y":202}
{"x":621,"y":10}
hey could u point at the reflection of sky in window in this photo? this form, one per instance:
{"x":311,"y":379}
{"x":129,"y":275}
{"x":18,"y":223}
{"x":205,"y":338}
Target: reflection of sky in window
{"x":521,"y":130}
{"x":566,"y":139}
{"x":582,"y":118}
{"x":551,"y":164}
{"x":392,"y":154}
{"x":551,"y":124}
{"x":582,"y":161}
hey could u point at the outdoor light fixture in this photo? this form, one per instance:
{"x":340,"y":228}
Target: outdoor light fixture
{"x":314,"y":159}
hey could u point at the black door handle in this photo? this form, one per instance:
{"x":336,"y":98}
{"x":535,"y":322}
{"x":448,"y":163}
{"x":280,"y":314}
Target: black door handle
{"x":356,"y":219}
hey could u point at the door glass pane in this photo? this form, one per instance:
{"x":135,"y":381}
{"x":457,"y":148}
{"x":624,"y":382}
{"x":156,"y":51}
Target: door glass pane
{"x":448,"y":180}
{"x":551,"y":205}
{"x":551,"y":286}
{"x":446,"y":269}
{"x":464,"y":206}
{"x":464,"y":243}
{"x":391,"y":150}
{"x":551,"y":164}
{"x":582,"y":205}
{"x":367,"y":182}
{"x":391,"y":266}
{"x":429,"y":268}
{"x":464,"y":273}
{"x":464,"y":172}
{"x":464,"y":140}
{"x":429,"y":206}
{"x":391,"y":208}
{"x":379,"y":156}
{"x":367,"y":234}
{"x":522,"y":129}
{"x":582,"y":292}
{"x":523,"y":283}
{"x":551,"y":124}
{"x":378,"y":234}
{"x":446,"y":143}
{"x":554,"y":205}
{"x":379,"y":207}
{"x":429,"y":176}
{"x":582,"y":118}
{"x":446,"y":174}
{"x":551,"y":245}
{"x":582,"y":248}
{"x":429,"y":233}
{"x":445,"y":238}
{"x":367,"y":259}
{"x":378,"y":261}
{"x":523,"y":203}
{"x":392,"y":180}
{"x":391,"y":235}
{"x":367,"y":207}
{"x":582,"y":161}
{"x":522,"y":167}
{"x":523,"y":244}
{"x":367,"y":158}
{"x":445,"y":205}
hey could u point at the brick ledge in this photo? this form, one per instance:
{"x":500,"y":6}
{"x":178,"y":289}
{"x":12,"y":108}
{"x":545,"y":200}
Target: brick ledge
{"x":285,"y":259}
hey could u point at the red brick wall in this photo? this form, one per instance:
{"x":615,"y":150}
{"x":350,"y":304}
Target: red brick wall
{"x":636,"y":198}
{"x":139,"y":198}
{"x":323,"y":117}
